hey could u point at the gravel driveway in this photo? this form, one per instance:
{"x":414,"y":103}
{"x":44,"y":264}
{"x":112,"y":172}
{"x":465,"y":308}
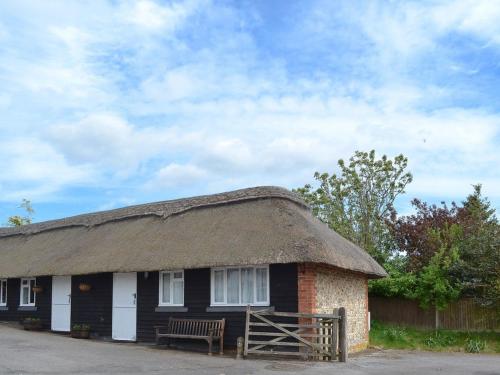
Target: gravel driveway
{"x":44,"y":353}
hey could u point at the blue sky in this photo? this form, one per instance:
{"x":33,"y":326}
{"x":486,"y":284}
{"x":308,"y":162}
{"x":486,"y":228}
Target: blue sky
{"x":109,"y":103}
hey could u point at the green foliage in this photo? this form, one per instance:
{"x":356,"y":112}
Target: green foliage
{"x":357,"y":202}
{"x":447,"y":253}
{"x":81,"y":327}
{"x":394,"y":337}
{"x":435,"y":286}
{"x":17,"y":220}
{"x":479,"y":268}
{"x":399,"y":283}
{"x":395,"y":334}
{"x":32,"y":320}
{"x":474,"y":345}
{"x":441,"y":339}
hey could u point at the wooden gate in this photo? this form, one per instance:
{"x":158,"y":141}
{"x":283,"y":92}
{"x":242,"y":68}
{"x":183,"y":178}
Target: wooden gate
{"x":316,"y":336}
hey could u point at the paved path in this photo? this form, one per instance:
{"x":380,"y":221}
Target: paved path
{"x":44,"y":353}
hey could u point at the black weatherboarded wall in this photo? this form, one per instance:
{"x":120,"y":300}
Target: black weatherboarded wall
{"x":283,"y":297}
{"x":94,"y":307}
{"x":42,"y":310}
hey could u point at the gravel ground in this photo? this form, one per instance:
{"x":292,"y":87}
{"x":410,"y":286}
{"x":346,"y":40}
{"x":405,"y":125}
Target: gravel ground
{"x":45,"y":353}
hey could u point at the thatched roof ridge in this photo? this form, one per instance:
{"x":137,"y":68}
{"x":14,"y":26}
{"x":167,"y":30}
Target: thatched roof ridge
{"x":162,"y":209}
{"x":263,"y":225}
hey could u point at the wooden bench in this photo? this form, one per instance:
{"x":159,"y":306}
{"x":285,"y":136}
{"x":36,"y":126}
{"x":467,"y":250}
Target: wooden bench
{"x":209,"y":330}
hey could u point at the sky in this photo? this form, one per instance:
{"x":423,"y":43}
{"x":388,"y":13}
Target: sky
{"x":105,"y":104}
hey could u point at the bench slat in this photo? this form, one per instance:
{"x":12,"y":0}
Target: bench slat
{"x":204,"y":329}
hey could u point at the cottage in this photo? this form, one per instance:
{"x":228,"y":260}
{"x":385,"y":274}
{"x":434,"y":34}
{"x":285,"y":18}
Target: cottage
{"x":124,"y":271}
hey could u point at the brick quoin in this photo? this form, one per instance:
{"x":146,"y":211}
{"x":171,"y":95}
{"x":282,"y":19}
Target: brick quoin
{"x":307,"y":288}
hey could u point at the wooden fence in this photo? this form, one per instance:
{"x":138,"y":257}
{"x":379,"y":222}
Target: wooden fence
{"x":317,"y":336}
{"x":463,"y":315}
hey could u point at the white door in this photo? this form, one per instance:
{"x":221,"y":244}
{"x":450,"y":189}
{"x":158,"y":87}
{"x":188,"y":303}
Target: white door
{"x":124,"y":306}
{"x":61,"y":303}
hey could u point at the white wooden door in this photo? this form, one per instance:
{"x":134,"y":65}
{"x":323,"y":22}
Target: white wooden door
{"x":124,"y":306}
{"x":61,"y":303}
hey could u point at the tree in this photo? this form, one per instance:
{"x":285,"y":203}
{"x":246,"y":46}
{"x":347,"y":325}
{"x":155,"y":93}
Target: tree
{"x":449,"y":250}
{"x":17,"y":220}
{"x":358,"y":202}
{"x":434,"y":284}
{"x":479,"y":266}
{"x":413,"y":234}
{"x":399,"y":283}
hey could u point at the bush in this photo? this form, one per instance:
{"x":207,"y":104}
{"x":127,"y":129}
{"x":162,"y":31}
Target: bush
{"x":474,"y":345}
{"x":32,"y":320}
{"x":440,"y":340}
{"x":81,"y":327}
{"x":395,"y":334}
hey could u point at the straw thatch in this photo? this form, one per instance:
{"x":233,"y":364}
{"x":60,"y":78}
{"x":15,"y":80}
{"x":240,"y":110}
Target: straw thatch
{"x":263,"y":225}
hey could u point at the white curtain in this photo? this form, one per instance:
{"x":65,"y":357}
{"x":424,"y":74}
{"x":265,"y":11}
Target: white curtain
{"x":261,"y":284}
{"x":178,"y":292}
{"x":219,"y":286}
{"x":166,"y":288}
{"x":3,"y":291}
{"x":233,"y":285}
{"x":31,"y":293}
{"x":247,"y":280}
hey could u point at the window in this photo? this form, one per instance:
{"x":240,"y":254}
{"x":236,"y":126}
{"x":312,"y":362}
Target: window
{"x":28,"y":296}
{"x":3,"y":292}
{"x":172,"y":288}
{"x":240,"y":286}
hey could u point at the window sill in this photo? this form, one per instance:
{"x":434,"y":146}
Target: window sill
{"x":4,"y":308}
{"x":237,"y":308}
{"x":171,"y":309}
{"x":27,"y":308}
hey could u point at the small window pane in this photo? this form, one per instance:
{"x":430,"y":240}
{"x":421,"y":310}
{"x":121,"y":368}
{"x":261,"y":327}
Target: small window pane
{"x":166,"y":288}
{"x":261,"y":283}
{"x":25,"y":295}
{"x":177,"y":275}
{"x":233,"y":285}
{"x":3,"y":292}
{"x":178,"y":292}
{"x":247,"y":285}
{"x":31,"y":292}
{"x":219,"y":286}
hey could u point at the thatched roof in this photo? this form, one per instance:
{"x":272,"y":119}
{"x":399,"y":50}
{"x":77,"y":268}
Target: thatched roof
{"x":250,"y":226}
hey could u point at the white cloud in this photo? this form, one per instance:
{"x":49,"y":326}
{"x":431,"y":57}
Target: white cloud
{"x":33,"y":169}
{"x":477,"y":17}
{"x":112,"y":145}
{"x":176,"y":175}
{"x":152,"y":16}
{"x":139,"y":93}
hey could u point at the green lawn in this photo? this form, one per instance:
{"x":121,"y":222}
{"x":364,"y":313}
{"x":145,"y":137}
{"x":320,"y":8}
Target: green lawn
{"x":393,"y":337}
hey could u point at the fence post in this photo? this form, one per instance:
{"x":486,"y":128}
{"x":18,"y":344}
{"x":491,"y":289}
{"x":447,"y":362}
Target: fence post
{"x":335,"y":336}
{"x":247,"y":329}
{"x":436,"y":318}
{"x":343,"y":347}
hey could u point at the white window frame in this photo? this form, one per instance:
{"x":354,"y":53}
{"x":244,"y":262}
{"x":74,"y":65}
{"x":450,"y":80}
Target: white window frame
{"x":160,"y":290}
{"x":30,"y":290}
{"x":2,"y":283}
{"x":254,"y":268}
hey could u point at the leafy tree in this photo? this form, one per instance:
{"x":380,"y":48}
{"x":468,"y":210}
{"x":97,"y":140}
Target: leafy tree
{"x":17,"y":220}
{"x":400,"y":283}
{"x":413,"y":234}
{"x":357,"y":202}
{"x":447,"y":249}
{"x":434,"y":284}
{"x":479,"y":266}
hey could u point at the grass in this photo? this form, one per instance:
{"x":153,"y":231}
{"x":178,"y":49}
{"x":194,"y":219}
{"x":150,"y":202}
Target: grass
{"x":394,"y":337}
